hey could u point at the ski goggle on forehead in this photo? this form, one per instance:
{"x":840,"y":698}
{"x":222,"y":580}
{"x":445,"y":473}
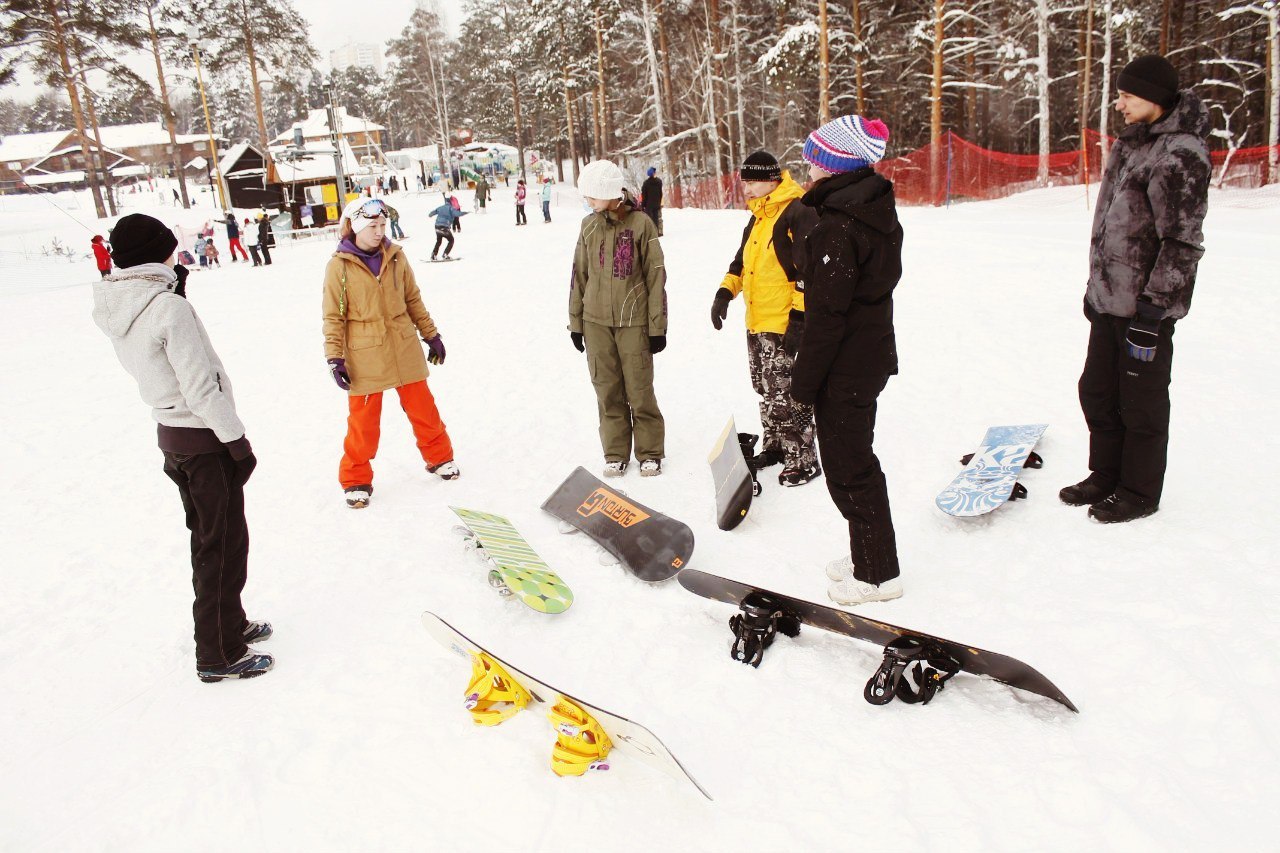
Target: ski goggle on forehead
{"x":372,"y":209}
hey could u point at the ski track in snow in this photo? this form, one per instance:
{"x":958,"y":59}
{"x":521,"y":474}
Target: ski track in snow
{"x":1161,"y":631}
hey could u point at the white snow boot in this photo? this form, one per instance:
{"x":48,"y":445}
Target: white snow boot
{"x":851,"y":591}
{"x":445,"y":470}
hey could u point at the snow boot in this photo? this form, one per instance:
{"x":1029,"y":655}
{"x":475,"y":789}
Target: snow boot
{"x":800,"y":475}
{"x":850,"y":590}
{"x":650,"y":467}
{"x":445,"y":470}
{"x":250,"y":666}
{"x":493,"y":696}
{"x":358,"y":497}
{"x":1087,"y":492}
{"x":256,"y":632}
{"x":615,"y":468}
{"x":1118,"y":509}
{"x":581,"y":743}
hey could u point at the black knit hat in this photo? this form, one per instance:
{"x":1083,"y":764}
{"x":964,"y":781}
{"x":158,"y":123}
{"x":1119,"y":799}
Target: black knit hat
{"x":760,"y":166}
{"x":1151,"y":78}
{"x":141,"y":239}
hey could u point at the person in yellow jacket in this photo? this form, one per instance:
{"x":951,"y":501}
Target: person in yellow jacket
{"x":764,"y":271}
{"x":373,"y":317}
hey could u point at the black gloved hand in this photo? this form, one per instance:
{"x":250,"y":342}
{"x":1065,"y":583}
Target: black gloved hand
{"x":657,"y":343}
{"x":794,"y":334}
{"x":181,"y":287}
{"x":576,"y":337}
{"x":1144,"y":332}
{"x":720,"y":307}
{"x":242,"y":453}
{"x":338,"y":368}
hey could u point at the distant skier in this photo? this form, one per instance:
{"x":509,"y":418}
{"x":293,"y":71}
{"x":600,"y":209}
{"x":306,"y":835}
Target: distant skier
{"x":482,"y":193}
{"x":521,"y":193}
{"x":546,"y":199}
{"x":764,"y":271}
{"x":447,"y":217}
{"x":456,"y":205}
{"x":373,"y":317}
{"x":651,"y":197}
{"x":211,"y":254}
{"x":618,"y":316}
{"x":101,"y":255}
{"x":201,"y":257}
{"x":233,"y":238}
{"x":393,"y":220}
{"x":161,"y":342}
{"x":253,"y":242}
{"x":1146,"y":244}
{"x":851,"y":265}
{"x":266,"y":239}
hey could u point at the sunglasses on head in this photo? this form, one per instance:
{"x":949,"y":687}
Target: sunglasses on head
{"x":372,"y":209}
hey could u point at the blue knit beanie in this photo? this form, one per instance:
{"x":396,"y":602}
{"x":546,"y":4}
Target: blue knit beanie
{"x":652,"y":171}
{"x":847,"y":144}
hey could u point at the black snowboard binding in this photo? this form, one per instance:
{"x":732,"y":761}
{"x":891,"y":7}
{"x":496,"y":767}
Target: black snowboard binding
{"x":754,"y":628}
{"x":747,"y":442}
{"x":932,"y":668}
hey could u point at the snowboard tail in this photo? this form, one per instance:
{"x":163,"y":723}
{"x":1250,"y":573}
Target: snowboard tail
{"x":734,"y":481}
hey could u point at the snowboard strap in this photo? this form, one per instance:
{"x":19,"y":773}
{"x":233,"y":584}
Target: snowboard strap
{"x":929,"y":666}
{"x":581,"y":742}
{"x":493,"y":696}
{"x":758,"y":622}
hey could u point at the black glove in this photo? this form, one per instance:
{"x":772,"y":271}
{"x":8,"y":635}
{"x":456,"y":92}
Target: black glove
{"x":338,"y":367}
{"x":576,"y":337}
{"x":794,"y":334}
{"x":657,"y":343}
{"x":720,"y":307}
{"x":1144,"y":332}
{"x":181,"y":287}
{"x":242,"y":453}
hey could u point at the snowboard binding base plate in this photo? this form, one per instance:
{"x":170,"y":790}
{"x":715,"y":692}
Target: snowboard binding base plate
{"x":758,"y":621}
{"x":747,"y":442}
{"x":907,"y":659}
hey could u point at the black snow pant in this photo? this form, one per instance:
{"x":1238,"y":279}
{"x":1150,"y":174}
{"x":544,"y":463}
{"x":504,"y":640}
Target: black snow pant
{"x":212,"y":490}
{"x":257,"y":259}
{"x":520,"y":217}
{"x":1126,"y":405}
{"x":846,"y":421}
{"x":266,"y":253}
{"x":442,"y":234}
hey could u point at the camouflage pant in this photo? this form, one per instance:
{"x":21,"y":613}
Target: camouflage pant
{"x":788,"y":425}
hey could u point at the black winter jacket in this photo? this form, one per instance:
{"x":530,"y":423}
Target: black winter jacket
{"x":852,"y":262}
{"x":651,"y":197}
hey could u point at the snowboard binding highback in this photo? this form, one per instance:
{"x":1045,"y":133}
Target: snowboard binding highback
{"x":747,"y":442}
{"x":581,"y":743}
{"x":907,"y":659}
{"x":758,"y":621}
{"x":493,"y":696}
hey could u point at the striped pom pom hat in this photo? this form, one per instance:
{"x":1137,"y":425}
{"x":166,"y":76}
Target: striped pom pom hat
{"x":846,"y":144}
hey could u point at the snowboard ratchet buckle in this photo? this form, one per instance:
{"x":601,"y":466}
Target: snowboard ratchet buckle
{"x":754,"y":627}
{"x":933,"y":667}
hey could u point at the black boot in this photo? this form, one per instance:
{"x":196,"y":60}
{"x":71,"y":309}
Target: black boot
{"x":1088,"y":491}
{"x":1116,"y":509}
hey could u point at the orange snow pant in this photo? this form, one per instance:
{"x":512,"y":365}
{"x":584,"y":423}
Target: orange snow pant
{"x":364,"y":427}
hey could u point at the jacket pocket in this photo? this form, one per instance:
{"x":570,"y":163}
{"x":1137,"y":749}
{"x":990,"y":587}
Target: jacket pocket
{"x":363,"y":334}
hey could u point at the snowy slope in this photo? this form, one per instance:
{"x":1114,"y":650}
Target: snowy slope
{"x":1162,"y":631}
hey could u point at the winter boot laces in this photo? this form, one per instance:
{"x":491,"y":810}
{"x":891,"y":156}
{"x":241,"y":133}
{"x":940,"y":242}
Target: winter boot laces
{"x":493,"y":696}
{"x":581,"y":743}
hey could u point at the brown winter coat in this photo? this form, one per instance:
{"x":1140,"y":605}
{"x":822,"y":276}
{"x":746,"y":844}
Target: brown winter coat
{"x":374,"y":323}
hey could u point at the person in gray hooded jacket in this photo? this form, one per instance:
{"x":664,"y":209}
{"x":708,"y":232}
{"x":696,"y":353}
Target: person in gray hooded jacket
{"x":161,"y":342}
{"x":1143,"y":254}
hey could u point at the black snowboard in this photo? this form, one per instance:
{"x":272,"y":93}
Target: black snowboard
{"x":650,"y":545}
{"x":913,"y":646}
{"x":734,"y":480}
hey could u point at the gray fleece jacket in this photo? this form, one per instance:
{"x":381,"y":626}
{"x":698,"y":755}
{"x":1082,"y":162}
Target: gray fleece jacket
{"x":162,"y":343}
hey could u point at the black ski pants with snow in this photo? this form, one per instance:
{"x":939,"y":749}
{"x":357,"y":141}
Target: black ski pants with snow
{"x":845,"y":414}
{"x":212,"y":490}
{"x":1126,"y":405}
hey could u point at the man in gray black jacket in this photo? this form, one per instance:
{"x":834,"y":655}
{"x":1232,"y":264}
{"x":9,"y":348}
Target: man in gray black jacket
{"x":163,"y":345}
{"x":1145,"y":247}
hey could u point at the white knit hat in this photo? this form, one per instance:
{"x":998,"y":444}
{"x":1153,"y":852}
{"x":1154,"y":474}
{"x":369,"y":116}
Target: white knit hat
{"x":601,"y":179}
{"x":352,"y":212}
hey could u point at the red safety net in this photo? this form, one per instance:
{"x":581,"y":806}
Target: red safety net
{"x":955,"y":170}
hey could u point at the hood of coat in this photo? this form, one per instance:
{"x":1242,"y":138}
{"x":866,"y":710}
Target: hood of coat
{"x":862,"y":194}
{"x":768,"y":207}
{"x":1190,"y":116}
{"x":119,"y":299}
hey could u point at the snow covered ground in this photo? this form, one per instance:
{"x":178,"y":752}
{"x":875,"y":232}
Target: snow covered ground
{"x":1163,"y":631}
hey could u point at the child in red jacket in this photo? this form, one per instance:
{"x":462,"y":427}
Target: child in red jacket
{"x":102,"y":254}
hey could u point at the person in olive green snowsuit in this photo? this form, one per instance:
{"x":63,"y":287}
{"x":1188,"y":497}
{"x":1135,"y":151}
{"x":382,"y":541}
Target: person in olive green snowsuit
{"x":618,"y":316}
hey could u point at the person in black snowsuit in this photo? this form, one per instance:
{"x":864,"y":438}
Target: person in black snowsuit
{"x":651,"y":197}
{"x":852,"y":263}
{"x":1143,"y":254}
{"x":266,"y":239}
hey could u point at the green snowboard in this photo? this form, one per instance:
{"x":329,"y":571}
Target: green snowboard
{"x":517,"y":570}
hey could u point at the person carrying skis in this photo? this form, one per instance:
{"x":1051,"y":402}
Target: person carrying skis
{"x":764,"y":271}
{"x":161,"y":342}
{"x":373,"y":316}
{"x":447,"y":217}
{"x":233,"y":238}
{"x":521,"y":192}
{"x":651,"y":197}
{"x":546,"y":200}
{"x":618,"y":316}
{"x":101,"y":255}
{"x":1146,"y":245}
{"x":851,"y":265}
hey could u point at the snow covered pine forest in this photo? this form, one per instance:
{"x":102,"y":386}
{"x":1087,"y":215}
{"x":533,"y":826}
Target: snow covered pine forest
{"x":1160,"y":631}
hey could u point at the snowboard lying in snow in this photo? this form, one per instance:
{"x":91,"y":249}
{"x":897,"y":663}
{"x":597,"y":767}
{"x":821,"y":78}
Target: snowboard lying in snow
{"x":650,"y":545}
{"x":990,"y":476}
{"x":910,"y":655}
{"x":734,"y":480}
{"x":632,"y":738}
{"x":517,"y":570}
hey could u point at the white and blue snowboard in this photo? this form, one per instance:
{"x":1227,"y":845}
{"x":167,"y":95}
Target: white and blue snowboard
{"x":990,"y":476}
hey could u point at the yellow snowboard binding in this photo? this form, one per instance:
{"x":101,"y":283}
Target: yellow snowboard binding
{"x":493,"y":696}
{"x":581,"y":743}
